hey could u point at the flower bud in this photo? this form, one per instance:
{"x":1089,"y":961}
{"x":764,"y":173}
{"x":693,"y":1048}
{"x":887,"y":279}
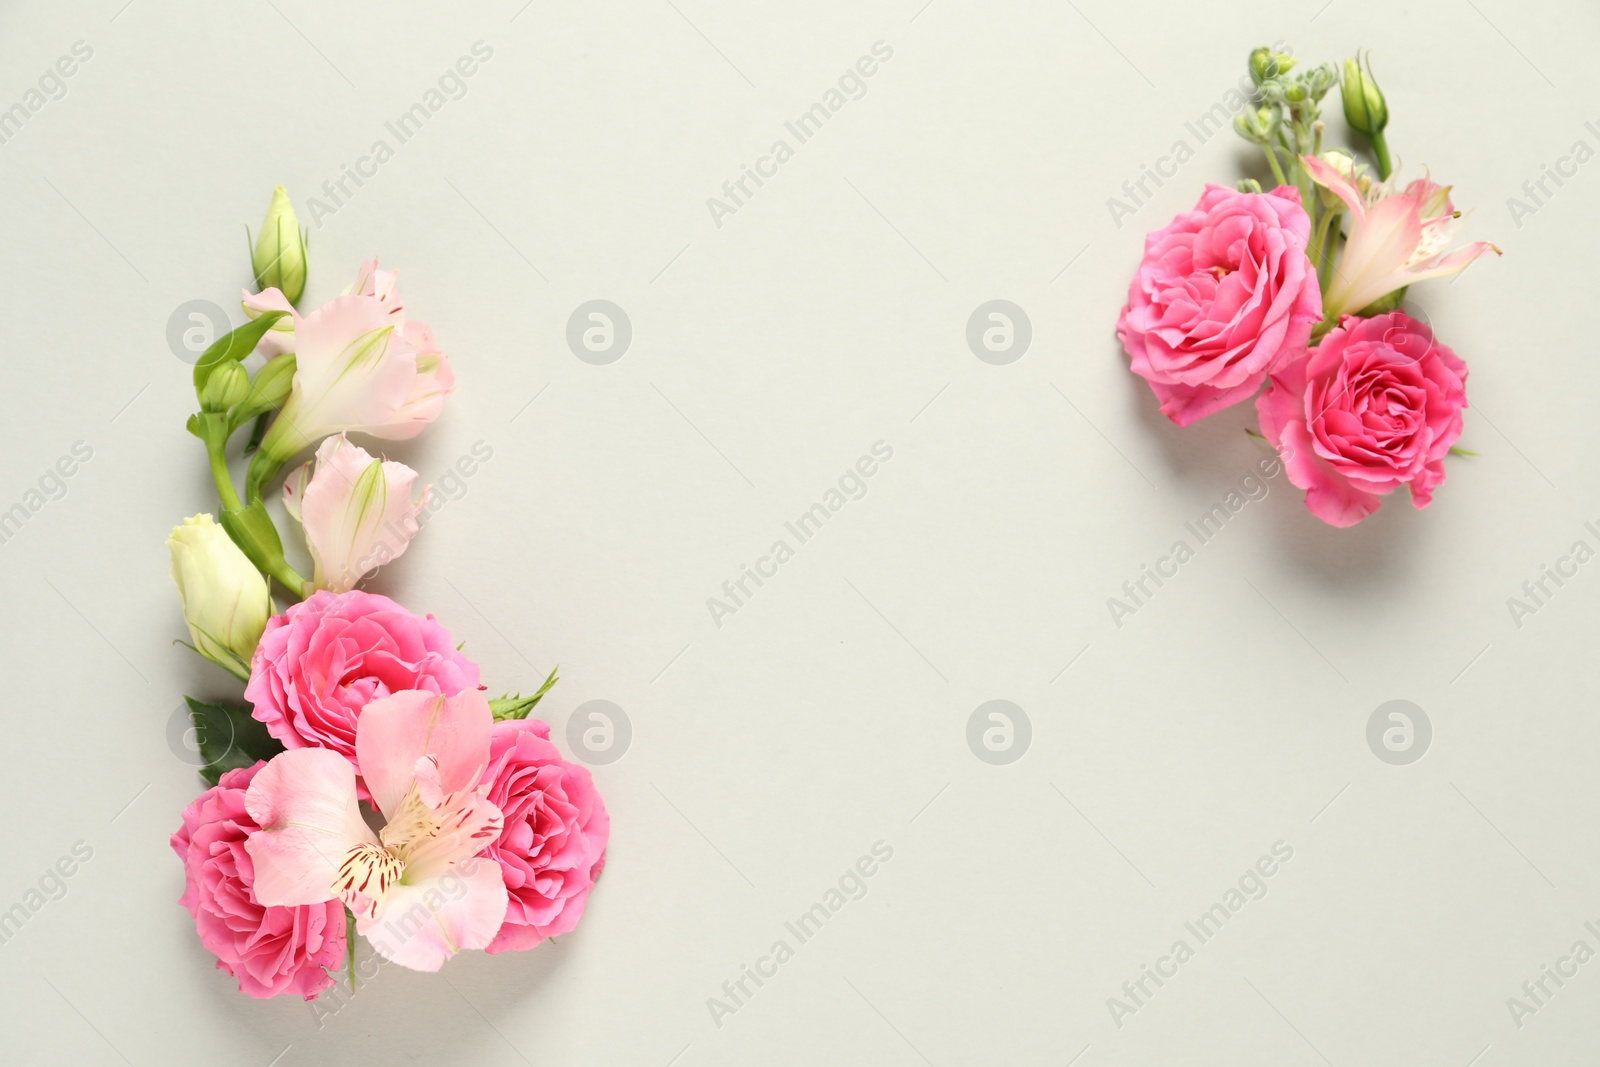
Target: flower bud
{"x":226,"y":386}
{"x":1247,"y":185}
{"x":225,"y":601}
{"x":279,"y":259}
{"x":1364,"y":107}
{"x":1259,"y":126}
{"x":1265,"y":64}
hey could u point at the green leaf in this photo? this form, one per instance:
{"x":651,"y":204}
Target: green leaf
{"x":229,"y":738}
{"x":233,"y":346}
{"x":516,"y":706}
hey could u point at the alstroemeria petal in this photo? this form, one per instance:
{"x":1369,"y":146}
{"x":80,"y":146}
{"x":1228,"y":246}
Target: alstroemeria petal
{"x":280,"y":338}
{"x":1337,"y":184}
{"x":395,"y":731}
{"x":357,"y":512}
{"x":353,"y":371}
{"x":304,"y":800}
{"x":422,"y":924}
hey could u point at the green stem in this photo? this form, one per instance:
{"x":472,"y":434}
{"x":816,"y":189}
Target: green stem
{"x":350,"y":946}
{"x":263,"y":466}
{"x":290,"y":578}
{"x":216,"y":451}
{"x":1380,"y":148}
{"x":1321,"y":252}
{"x":1272,"y":158}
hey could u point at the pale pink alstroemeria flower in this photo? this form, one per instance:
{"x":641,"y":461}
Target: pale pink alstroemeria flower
{"x":356,"y":510}
{"x":356,"y":371}
{"x":345,"y":380}
{"x":1396,"y":238}
{"x":370,"y":281}
{"x":418,"y":889}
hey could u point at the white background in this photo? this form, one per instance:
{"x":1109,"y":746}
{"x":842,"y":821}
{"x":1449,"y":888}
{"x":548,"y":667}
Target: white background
{"x":830,"y":711}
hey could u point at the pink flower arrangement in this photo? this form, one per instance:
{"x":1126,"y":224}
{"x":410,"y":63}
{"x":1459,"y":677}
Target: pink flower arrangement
{"x":360,"y":713}
{"x":1256,"y":286}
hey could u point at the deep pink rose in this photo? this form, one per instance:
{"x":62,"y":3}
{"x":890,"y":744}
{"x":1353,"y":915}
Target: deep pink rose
{"x":1375,"y":406}
{"x":1223,"y":296}
{"x":320,"y":662}
{"x":553,"y":845}
{"x":269,"y":950}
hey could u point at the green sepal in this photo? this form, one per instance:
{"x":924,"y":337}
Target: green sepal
{"x":1384,"y":304}
{"x":229,"y":737}
{"x":233,"y":346}
{"x":516,"y":706}
{"x":252,"y":530}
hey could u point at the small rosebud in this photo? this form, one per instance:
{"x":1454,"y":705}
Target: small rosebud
{"x":226,"y":386}
{"x":279,"y":259}
{"x":1364,"y":106}
{"x":1248,"y":185}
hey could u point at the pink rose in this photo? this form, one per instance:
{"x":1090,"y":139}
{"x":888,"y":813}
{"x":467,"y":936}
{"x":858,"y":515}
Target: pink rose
{"x":269,"y":950}
{"x":1375,"y":406}
{"x":1223,"y":296}
{"x":553,"y":844}
{"x":320,"y":662}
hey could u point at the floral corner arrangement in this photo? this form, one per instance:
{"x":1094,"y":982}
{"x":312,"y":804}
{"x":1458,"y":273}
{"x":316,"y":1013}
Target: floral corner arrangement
{"x":366,"y":784}
{"x":1299,"y":288}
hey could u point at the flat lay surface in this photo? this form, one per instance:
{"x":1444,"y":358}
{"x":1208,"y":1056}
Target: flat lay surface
{"x":921,"y":740}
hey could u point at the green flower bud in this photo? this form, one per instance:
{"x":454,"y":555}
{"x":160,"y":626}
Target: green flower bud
{"x":1247,"y":185}
{"x":1364,"y":107}
{"x":279,"y":258}
{"x":1259,"y":126}
{"x":1318,"y":80}
{"x":1260,"y":65}
{"x":227,"y":385}
{"x":1265,"y":64}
